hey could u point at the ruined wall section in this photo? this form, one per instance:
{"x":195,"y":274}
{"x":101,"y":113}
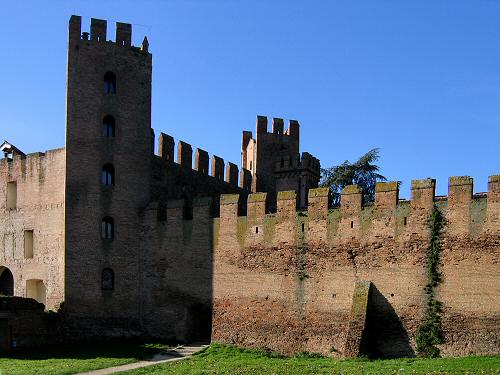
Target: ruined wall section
{"x":24,"y":324}
{"x":40,"y":180}
{"x":285,"y":281}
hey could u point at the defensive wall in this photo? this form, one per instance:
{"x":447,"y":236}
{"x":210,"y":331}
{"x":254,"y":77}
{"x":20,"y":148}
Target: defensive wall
{"x":346,"y":280}
{"x":32,"y":225}
{"x":177,"y":178}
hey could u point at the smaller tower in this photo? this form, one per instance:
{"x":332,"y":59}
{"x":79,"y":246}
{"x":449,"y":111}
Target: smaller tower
{"x":274,"y":160}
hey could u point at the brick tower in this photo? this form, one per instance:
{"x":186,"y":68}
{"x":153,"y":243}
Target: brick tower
{"x":274,"y":160}
{"x":108,"y":163}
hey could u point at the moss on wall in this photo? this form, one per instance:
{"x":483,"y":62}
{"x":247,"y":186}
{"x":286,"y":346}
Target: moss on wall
{"x":216,"y":228}
{"x":366,"y":220}
{"x":269,"y":228}
{"x":241,"y":230}
{"x":402,"y":212}
{"x":334,"y":216}
{"x":477,"y":216}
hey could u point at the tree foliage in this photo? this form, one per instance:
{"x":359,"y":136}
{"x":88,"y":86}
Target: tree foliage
{"x":363,"y":173}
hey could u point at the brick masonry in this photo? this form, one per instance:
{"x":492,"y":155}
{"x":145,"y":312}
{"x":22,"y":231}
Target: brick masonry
{"x":194,"y":256}
{"x":285,"y":281}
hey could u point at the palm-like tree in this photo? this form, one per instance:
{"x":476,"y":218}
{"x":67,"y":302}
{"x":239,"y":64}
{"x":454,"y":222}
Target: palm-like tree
{"x":363,"y":173}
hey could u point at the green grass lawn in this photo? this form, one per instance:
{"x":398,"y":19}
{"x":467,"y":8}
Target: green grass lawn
{"x":218,"y":359}
{"x":71,"y":359}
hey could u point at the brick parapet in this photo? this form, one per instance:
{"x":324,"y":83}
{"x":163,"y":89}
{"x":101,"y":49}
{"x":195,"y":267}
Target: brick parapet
{"x":227,"y":174}
{"x":98,"y":35}
{"x":389,"y":216}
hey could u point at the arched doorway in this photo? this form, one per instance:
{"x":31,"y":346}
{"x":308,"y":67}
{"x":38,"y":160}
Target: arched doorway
{"x":6,"y":282}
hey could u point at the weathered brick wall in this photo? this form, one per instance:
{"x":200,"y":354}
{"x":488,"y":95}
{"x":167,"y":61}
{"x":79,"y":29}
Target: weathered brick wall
{"x":40,"y":207}
{"x":285,"y":282}
{"x":93,"y":309}
{"x":177,"y":272}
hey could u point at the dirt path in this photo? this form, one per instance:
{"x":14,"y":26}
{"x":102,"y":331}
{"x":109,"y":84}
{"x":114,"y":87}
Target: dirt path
{"x":177,"y":354}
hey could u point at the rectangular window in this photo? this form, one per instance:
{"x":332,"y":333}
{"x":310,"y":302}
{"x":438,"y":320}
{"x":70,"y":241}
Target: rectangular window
{"x":11,"y":195}
{"x":28,"y":244}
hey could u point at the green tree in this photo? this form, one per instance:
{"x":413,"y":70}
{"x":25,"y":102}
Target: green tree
{"x":363,"y":173}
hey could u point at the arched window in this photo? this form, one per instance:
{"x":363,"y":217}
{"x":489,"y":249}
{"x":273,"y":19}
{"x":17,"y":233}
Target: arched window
{"x":108,"y":175}
{"x":107,"y":279}
{"x":107,"y":228}
{"x":108,"y":127}
{"x":109,"y":83}
{"x":6,"y":282}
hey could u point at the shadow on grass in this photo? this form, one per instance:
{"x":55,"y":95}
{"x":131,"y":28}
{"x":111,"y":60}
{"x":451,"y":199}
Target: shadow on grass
{"x":92,"y":349}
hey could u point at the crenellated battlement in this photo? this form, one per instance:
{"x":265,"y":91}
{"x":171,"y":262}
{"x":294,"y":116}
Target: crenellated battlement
{"x":386,"y":200}
{"x":278,"y":128}
{"x":98,"y":34}
{"x":466,"y":213}
{"x":211,"y":167}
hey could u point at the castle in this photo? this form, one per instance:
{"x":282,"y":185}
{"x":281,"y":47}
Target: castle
{"x":124,"y":242}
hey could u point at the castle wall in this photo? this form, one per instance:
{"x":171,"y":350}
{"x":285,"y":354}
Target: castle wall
{"x":40,"y":182}
{"x":285,"y":281}
{"x":181,"y":180}
{"x":178,"y":271}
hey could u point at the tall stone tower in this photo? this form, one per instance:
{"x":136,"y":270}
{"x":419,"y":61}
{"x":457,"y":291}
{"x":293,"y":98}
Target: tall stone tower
{"x":108,"y":162}
{"x":274,"y":160}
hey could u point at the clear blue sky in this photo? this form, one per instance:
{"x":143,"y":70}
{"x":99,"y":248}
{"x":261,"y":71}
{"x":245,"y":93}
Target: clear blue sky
{"x":419,"y":79}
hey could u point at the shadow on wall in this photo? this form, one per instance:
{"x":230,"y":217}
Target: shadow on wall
{"x":385,"y":335}
{"x":200,"y":322}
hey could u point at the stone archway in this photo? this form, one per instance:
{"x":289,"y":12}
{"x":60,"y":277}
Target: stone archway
{"x":6,"y":282}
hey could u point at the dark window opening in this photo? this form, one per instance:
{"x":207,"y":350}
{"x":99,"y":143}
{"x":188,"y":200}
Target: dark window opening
{"x":187,"y":212}
{"x":352,"y":224}
{"x":107,"y":228}
{"x":11,"y":195}
{"x":108,"y":127}
{"x":109,"y":83}
{"x":6,"y":282}
{"x":257,"y":230}
{"x":282,"y":162}
{"x":404,"y":220}
{"x":107,"y":279}
{"x":303,"y":227}
{"x":108,"y":175}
